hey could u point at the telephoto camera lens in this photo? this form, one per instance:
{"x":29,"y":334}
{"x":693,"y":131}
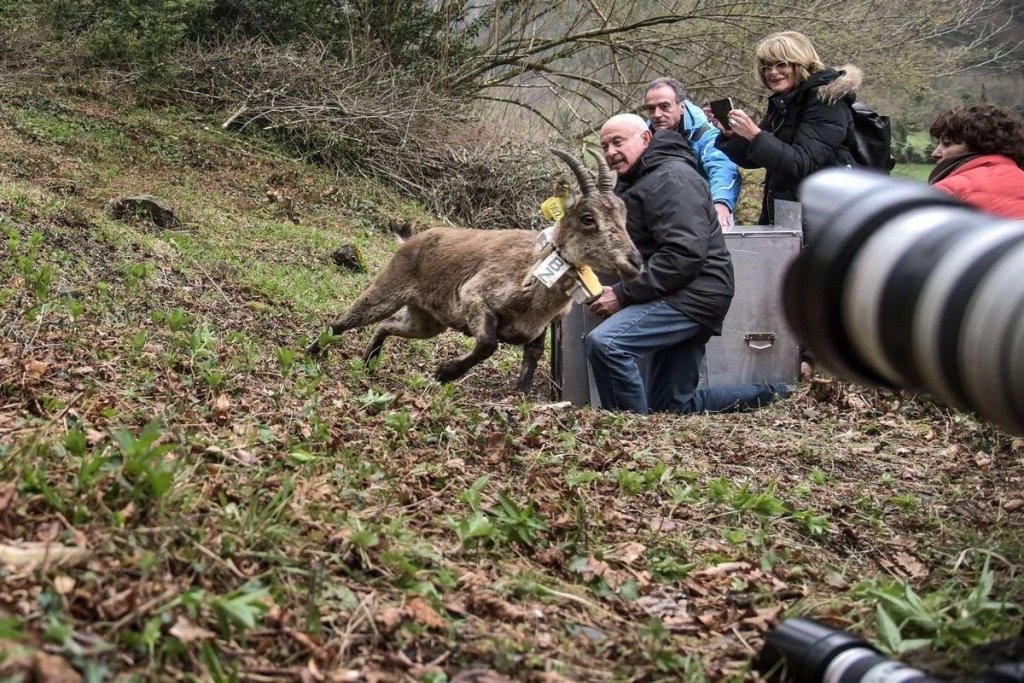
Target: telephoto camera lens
{"x":805,"y":651}
{"x":901,"y":285}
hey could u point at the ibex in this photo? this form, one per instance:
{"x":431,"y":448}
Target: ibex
{"x":482,"y":283}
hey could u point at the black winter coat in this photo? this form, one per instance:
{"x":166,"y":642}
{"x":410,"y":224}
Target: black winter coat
{"x":805,"y":130}
{"x":672,"y":221}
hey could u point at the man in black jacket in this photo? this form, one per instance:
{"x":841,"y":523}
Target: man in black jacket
{"x":681,"y":296}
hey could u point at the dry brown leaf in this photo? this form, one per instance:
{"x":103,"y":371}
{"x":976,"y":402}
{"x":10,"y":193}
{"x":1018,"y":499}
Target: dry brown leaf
{"x":7,"y":491}
{"x":28,"y":556}
{"x":721,"y":569}
{"x":119,"y":604}
{"x":187,"y":632}
{"x":630,"y":552}
{"x":911,"y":565}
{"x":93,"y":436}
{"x":52,"y":669}
{"x":662,"y":524}
{"x":594,"y":568}
{"x":764,"y":618}
{"x":1013,"y":505}
{"x":671,"y":610}
{"x":836,"y":580}
{"x":389,"y":618}
{"x":63,"y":584}
{"x":486,"y":604}
{"x":307,"y":642}
{"x":221,"y":408}
{"x":420,"y":610}
{"x":711,"y":619}
{"x":36,"y":368}
{"x":480,"y":676}
{"x":313,"y":672}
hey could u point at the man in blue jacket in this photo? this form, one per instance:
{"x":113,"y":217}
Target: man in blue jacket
{"x":678,"y":301}
{"x":668,"y":106}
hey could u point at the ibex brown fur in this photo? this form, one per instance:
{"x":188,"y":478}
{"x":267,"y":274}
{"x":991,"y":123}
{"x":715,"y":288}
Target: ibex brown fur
{"x":481,"y":282}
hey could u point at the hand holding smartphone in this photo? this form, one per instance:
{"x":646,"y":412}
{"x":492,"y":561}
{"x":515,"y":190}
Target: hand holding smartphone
{"x":721,"y":109}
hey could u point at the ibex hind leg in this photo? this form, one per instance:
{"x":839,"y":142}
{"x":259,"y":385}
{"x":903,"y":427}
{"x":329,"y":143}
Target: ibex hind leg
{"x":532,"y":351}
{"x":372,"y":306}
{"x":410,"y":322}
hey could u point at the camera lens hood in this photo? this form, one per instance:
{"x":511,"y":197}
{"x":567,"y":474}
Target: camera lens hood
{"x":904,"y":286}
{"x":844,"y":209}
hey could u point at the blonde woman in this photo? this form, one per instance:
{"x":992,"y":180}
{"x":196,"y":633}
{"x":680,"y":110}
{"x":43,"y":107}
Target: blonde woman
{"x":808,"y":125}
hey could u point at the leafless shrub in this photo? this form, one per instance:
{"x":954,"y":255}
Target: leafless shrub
{"x":361,"y":116}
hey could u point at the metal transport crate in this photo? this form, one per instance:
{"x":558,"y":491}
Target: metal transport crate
{"x":756,"y":343}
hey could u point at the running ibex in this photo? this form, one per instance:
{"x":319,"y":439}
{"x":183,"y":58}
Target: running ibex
{"x":481,"y":282}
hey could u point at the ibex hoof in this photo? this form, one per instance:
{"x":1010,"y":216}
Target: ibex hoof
{"x":314,"y":350}
{"x":447,"y":373}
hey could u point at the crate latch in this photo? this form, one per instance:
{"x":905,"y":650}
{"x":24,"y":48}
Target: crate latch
{"x":759,"y":340}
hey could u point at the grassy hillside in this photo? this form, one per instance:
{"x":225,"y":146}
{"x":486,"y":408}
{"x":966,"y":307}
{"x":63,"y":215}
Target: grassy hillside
{"x":185,"y":496}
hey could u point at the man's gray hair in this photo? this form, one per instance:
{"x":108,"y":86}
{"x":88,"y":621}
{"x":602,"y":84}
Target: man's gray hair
{"x":631,"y":120}
{"x":678,"y":88}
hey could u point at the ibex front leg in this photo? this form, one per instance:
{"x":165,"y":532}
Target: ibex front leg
{"x":484,"y":328}
{"x":532,"y":351}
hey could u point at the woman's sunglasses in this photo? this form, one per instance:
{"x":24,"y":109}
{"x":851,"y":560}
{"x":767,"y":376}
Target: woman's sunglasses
{"x":778,"y":66}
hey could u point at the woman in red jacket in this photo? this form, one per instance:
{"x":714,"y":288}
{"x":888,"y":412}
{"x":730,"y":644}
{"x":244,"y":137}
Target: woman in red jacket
{"x":980,"y":157}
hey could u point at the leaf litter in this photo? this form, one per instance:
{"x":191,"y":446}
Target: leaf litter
{"x":329,"y":523}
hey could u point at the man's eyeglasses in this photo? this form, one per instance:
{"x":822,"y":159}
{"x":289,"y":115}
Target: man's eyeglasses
{"x":778,"y":66}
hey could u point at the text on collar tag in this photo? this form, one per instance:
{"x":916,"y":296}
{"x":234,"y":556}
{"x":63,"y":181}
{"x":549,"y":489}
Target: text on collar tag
{"x":551,"y":269}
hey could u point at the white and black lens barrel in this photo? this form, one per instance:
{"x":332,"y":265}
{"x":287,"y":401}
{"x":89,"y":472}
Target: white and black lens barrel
{"x":901,"y":285}
{"x":805,"y":651}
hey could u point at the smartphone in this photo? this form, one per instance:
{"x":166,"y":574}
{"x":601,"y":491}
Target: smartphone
{"x":721,"y":109}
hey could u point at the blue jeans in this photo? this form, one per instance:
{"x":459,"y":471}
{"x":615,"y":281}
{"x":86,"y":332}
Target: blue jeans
{"x":674,"y":344}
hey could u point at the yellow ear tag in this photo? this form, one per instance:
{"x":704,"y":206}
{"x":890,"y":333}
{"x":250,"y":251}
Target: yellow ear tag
{"x":553,"y":208}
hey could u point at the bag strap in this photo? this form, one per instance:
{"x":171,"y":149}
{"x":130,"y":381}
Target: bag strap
{"x":698,"y":133}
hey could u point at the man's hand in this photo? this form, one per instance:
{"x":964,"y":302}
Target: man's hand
{"x":607,"y":304}
{"x":724,"y":216}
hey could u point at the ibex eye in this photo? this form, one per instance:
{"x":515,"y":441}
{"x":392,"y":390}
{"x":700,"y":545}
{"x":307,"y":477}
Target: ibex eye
{"x":588,"y":219}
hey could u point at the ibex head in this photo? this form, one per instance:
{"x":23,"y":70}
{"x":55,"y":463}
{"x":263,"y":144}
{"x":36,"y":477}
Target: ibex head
{"x":593,"y":230}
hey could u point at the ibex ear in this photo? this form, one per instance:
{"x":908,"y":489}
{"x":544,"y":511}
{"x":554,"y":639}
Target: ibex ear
{"x":583,"y":177}
{"x":606,"y":177}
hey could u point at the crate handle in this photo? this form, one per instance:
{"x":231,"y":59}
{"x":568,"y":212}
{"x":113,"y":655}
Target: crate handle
{"x":759,"y":340}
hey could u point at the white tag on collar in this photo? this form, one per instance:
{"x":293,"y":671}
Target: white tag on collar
{"x":543,"y":237}
{"x":551,"y":269}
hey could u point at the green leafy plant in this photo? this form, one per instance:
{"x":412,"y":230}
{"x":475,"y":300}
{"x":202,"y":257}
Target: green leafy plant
{"x":516,"y":522}
{"x":143,"y":461}
{"x":659,"y":650}
{"x":285,"y":358}
{"x":399,"y":422}
{"x":176,"y":319}
{"x":375,"y":401}
{"x":947,"y":618}
{"x":240,"y":610}
{"x":472,"y":528}
{"x":473,"y":495}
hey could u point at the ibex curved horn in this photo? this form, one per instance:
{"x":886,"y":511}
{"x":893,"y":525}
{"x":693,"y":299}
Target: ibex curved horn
{"x":583,"y":177}
{"x":605,"y":176}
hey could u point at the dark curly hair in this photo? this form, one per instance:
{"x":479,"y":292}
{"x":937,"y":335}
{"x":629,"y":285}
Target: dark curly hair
{"x":984,"y":129}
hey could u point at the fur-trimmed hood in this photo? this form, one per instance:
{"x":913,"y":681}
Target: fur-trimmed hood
{"x":848,"y":81}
